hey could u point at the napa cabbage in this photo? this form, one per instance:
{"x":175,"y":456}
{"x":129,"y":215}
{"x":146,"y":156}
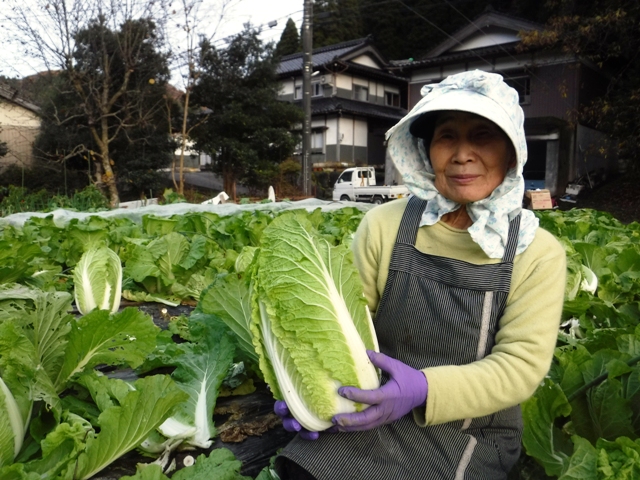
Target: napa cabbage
{"x":199,"y":373}
{"x":97,"y":280}
{"x":310,"y":322}
{"x":12,"y":428}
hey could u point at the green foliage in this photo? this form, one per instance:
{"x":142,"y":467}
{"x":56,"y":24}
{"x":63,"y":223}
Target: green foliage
{"x":335,"y":21}
{"x":47,"y":357}
{"x":19,"y":199}
{"x":165,"y":259}
{"x":221,"y":463}
{"x":249,"y":131}
{"x":584,"y":421}
{"x":139,"y":143}
{"x":200,"y":372}
{"x":169,"y":197}
{"x":606,"y":34}
{"x":406,"y":29}
{"x":289,"y":40}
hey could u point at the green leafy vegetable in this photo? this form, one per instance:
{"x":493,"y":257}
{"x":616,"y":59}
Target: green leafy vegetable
{"x":125,"y":426}
{"x":98,"y":280}
{"x":100,"y":338}
{"x":12,"y":427}
{"x":310,"y":322}
{"x":228,"y":298}
{"x":200,"y":373}
{"x":584,"y":421}
{"x":221,"y":464}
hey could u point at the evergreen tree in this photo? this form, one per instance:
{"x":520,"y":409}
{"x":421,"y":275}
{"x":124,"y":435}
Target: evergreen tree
{"x":102,"y":51}
{"x":411,"y":28}
{"x":289,"y":40}
{"x":336,"y":21}
{"x":247,"y":132}
{"x":136,"y":132}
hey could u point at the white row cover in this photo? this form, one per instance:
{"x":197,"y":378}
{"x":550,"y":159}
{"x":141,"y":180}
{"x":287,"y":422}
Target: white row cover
{"x":61,"y":217}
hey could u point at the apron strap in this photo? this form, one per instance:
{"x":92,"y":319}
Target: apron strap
{"x":410,"y":223}
{"x":512,"y":242}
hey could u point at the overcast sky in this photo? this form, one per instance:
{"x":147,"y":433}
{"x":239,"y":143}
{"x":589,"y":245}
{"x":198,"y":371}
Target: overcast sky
{"x":259,"y":12}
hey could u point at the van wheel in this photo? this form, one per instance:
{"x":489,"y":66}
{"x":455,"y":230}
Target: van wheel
{"x":345,"y":198}
{"x":377,"y":200}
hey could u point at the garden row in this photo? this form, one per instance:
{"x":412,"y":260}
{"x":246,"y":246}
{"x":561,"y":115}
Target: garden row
{"x":583,"y":422}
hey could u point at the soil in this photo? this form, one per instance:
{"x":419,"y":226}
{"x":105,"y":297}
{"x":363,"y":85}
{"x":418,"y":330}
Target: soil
{"x":619,"y":196}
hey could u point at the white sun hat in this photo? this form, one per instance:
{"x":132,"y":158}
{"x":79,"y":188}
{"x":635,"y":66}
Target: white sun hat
{"x":485,"y":94}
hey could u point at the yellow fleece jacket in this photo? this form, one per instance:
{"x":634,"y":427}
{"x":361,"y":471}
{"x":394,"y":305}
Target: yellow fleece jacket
{"x":527,"y":331}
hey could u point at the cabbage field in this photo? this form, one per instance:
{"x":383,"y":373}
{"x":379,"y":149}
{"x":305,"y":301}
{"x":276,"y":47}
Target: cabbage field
{"x":78,"y":391}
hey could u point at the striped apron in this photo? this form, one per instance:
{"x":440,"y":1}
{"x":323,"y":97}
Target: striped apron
{"x":434,"y":311}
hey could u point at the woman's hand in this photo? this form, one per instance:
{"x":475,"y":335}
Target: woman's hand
{"x":290,"y":424}
{"x":406,"y":389}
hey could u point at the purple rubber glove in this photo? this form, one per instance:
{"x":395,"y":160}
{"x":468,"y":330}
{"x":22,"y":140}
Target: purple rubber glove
{"x":290,"y":424}
{"x":406,"y":389}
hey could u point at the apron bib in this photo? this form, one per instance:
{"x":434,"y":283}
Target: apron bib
{"x":434,"y":311}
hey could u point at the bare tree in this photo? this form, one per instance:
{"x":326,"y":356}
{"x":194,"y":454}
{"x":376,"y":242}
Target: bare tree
{"x":99,"y":46}
{"x":191,"y":22}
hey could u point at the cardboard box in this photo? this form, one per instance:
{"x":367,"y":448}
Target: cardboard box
{"x":538,"y":199}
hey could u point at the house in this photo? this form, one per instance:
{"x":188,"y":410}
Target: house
{"x":355,"y":100}
{"x":19,"y":127}
{"x":552,"y":88}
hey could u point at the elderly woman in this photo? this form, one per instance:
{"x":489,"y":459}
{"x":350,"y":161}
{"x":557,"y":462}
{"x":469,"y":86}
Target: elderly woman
{"x":467,"y":293}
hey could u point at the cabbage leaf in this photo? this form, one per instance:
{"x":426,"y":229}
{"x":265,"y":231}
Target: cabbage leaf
{"x":200,"y":373}
{"x":123,"y":427}
{"x":98,"y":280}
{"x":310,"y":321}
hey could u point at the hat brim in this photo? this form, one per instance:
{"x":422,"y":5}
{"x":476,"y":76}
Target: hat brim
{"x":423,"y":116}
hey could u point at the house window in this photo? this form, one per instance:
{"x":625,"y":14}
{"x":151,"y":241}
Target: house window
{"x":316,"y":91}
{"x":391,"y":99}
{"x":522,"y":85}
{"x":317,"y":140}
{"x":360,"y":93}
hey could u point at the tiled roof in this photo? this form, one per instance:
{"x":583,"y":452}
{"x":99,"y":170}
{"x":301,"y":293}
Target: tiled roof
{"x":374,"y":72}
{"x":320,"y":56}
{"x":476,"y":54}
{"x":326,"y":105}
{"x":489,"y":18}
{"x":11,"y":94}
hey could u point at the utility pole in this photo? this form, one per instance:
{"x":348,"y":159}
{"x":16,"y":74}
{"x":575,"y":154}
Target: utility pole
{"x":307,"y":47}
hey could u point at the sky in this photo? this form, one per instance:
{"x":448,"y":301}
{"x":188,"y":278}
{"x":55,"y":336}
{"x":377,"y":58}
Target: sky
{"x":13,"y":63}
{"x":261,"y":12}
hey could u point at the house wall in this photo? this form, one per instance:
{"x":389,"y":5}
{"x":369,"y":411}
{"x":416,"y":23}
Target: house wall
{"x":558,"y":86}
{"x":367,"y":61}
{"x":554,"y":92}
{"x":554,"y":80}
{"x":287,"y":89}
{"x":19,"y":129}
{"x":346,"y":139}
{"x":594,"y":154}
{"x":342,"y":86}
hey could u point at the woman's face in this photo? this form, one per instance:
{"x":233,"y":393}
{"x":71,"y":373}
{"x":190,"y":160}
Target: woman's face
{"x":470,"y":156}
